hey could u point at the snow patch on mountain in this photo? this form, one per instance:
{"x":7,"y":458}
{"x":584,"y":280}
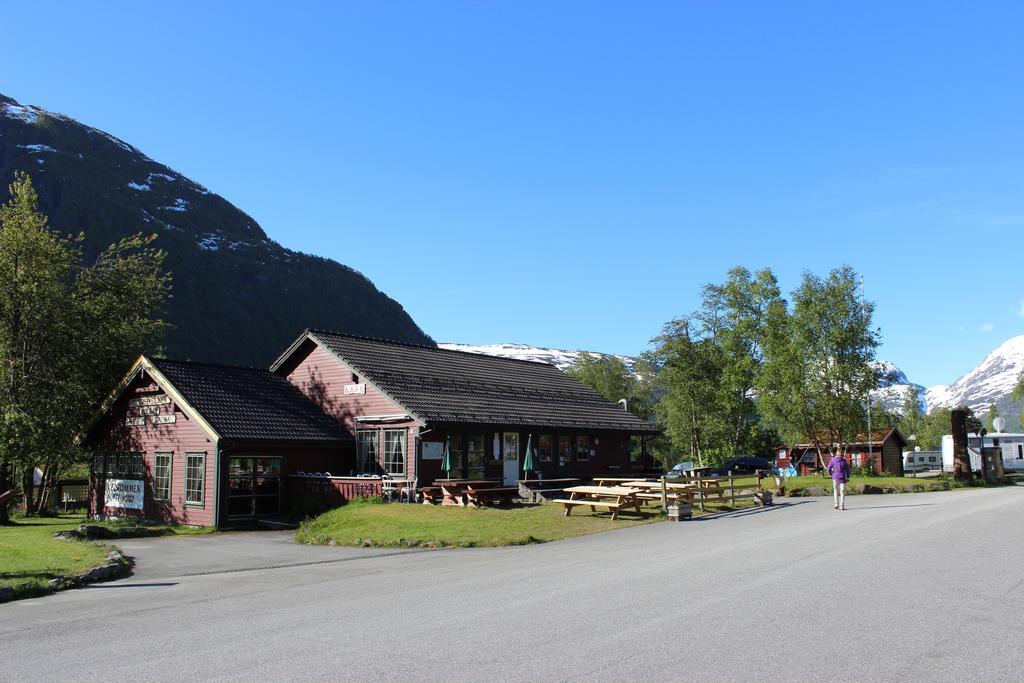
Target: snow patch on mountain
{"x":560,"y":358}
{"x":179,"y":205}
{"x":139,"y":187}
{"x":38,"y":149}
{"x":990,"y":382}
{"x":25,"y":113}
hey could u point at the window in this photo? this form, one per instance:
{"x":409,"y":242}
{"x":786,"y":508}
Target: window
{"x":394,"y":452}
{"x":254,"y":486}
{"x":1020,"y":451}
{"x":162,"y":476}
{"x":476,"y":456}
{"x":931,"y":458}
{"x":366,"y":450}
{"x":130,"y":465}
{"x":564,"y":450}
{"x":582,"y":448}
{"x":545,"y":448}
{"x":195,"y":478}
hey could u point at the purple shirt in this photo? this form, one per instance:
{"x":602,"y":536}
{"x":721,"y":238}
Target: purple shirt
{"x":839,"y":469}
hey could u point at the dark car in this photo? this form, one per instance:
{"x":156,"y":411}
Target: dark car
{"x":747,"y":464}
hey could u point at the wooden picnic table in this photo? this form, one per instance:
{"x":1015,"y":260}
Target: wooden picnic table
{"x":612,"y":481}
{"x":454,"y":490}
{"x":612,"y":498}
{"x":479,"y":497}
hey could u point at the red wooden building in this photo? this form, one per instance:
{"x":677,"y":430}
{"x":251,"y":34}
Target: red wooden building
{"x":219,"y":445}
{"x":205,"y":444}
{"x":402,"y":402}
{"x":883,"y":453}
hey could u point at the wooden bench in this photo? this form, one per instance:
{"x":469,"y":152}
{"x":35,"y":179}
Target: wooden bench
{"x":431,"y":495}
{"x":488,"y":496}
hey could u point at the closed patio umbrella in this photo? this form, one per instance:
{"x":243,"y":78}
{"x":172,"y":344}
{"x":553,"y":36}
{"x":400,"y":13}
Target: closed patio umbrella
{"x":528,"y":460}
{"x":446,"y":459}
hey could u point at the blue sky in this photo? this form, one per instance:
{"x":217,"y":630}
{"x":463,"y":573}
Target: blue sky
{"x":569,"y":174}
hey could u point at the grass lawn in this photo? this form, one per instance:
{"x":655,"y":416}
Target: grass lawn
{"x":396,"y":525}
{"x":30,"y":556}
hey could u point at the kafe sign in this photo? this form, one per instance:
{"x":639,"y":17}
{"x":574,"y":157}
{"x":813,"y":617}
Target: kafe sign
{"x":351,"y":389}
{"x":124,"y":493}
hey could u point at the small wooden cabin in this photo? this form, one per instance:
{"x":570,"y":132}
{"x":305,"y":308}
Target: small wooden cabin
{"x":883,"y":453}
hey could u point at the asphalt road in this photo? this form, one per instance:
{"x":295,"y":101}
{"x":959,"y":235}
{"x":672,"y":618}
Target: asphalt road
{"x":899,"y":587}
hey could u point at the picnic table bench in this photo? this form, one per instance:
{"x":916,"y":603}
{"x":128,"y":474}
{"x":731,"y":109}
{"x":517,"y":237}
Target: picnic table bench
{"x":479,"y":497}
{"x":431,"y":495}
{"x":612,"y":498}
{"x":453,"y":491}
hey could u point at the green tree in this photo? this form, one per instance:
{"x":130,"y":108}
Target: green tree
{"x":1018,"y":395}
{"x":819,"y":365}
{"x":68,"y":330}
{"x":990,"y":417}
{"x":710,"y":362}
{"x":911,"y":416}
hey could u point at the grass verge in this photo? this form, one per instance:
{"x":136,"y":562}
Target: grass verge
{"x":368,"y":523}
{"x":30,"y":556}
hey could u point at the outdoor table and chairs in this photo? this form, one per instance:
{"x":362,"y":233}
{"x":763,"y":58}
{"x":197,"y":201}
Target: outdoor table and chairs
{"x":612,"y":498}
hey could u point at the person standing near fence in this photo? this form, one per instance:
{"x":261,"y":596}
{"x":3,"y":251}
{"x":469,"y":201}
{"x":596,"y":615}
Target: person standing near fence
{"x":840,"y":471}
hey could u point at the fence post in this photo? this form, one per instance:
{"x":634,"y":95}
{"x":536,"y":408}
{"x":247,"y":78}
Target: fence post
{"x":732,"y":491}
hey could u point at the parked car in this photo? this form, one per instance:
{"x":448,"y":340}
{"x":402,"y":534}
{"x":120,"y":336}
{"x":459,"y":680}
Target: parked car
{"x":680,"y":470}
{"x":747,"y":464}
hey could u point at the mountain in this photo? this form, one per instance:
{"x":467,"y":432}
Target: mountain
{"x":893,"y":386}
{"x":990,"y":382}
{"x":559,"y":358}
{"x":238,"y":296}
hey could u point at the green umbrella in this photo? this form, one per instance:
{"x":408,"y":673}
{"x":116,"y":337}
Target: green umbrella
{"x":528,"y":460}
{"x":446,"y":460}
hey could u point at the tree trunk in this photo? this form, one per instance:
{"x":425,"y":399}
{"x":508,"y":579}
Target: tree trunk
{"x":28,"y":489}
{"x":961,"y":459}
{"x":6,"y":493}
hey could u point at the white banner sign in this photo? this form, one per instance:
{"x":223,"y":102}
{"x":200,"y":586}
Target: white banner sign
{"x":150,"y":401}
{"x":164,"y":419}
{"x":124,"y":493}
{"x":351,"y":389}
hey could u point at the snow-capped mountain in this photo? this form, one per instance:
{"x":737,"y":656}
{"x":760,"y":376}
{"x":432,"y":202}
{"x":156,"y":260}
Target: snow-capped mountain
{"x":560,"y":358}
{"x":893,"y":387}
{"x":239,"y":296}
{"x":990,"y":382}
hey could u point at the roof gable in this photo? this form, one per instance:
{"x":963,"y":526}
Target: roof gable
{"x":250,"y":404}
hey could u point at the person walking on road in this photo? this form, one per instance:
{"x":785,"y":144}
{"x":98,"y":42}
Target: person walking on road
{"x":840,"y":471}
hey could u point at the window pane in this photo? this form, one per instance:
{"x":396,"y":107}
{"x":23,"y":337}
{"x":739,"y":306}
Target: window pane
{"x":544,"y":448}
{"x":564,"y":449}
{"x":195,"y":477}
{"x":366,"y":450}
{"x":476,"y":456}
{"x":394,"y":452}
{"x":162,"y":476}
{"x":583,"y":448}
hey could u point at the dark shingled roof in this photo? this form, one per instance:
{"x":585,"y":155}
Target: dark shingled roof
{"x":251,"y":404}
{"x":440,"y":385}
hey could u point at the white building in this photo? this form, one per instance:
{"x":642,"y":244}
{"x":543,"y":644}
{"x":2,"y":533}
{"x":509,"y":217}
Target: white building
{"x":921,"y":461}
{"x":1012,"y":446}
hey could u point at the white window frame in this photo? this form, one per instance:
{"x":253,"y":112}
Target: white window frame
{"x":390,"y":465}
{"x":156,"y":474}
{"x":367,"y":464}
{"x":189,"y":471}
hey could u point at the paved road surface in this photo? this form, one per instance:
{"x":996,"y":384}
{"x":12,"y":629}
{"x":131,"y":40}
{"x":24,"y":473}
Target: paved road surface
{"x":901,"y":587}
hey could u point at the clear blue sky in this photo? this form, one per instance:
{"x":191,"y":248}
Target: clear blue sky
{"x":569,"y":174}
